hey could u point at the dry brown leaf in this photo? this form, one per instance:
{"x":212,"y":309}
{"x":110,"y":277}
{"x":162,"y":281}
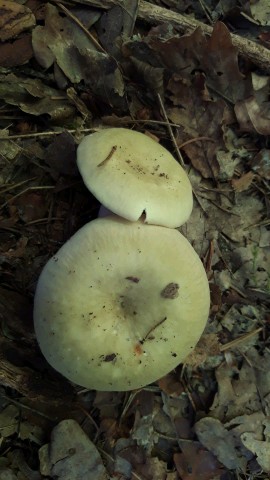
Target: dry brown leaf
{"x":16,"y":53}
{"x":196,"y":463}
{"x":253,"y":116}
{"x":14,"y":19}
{"x":31,"y":206}
{"x":198,"y":118}
{"x":207,"y":346}
{"x":19,"y":250}
{"x":261,"y":163}
{"x":63,"y":43}
{"x":260,"y":448}
{"x":243,"y":183}
{"x":35,"y":97}
{"x":216,"y":297}
{"x":170,"y":385}
{"x":265,"y":38}
{"x":221,"y":442}
{"x":215,"y":56}
{"x":237,"y":392}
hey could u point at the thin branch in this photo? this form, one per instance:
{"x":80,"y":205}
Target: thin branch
{"x":25,"y":191}
{"x":77,"y":21}
{"x":180,"y":158}
{"x":241,"y":339}
{"x":154,"y":15}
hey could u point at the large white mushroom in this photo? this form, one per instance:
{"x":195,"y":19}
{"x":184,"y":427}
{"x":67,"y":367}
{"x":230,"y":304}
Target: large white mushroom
{"x":131,"y":175}
{"x":120,"y":304}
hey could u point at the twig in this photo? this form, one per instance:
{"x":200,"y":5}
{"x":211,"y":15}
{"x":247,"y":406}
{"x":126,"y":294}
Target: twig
{"x":154,"y":14}
{"x":200,"y":203}
{"x":16,"y":185}
{"x":218,"y":206}
{"x":26,"y":407}
{"x":264,"y":223}
{"x":25,"y":191}
{"x":241,"y":339}
{"x":77,"y":21}
{"x":47,"y":134}
{"x":198,"y":139}
{"x":83,"y":130}
{"x":180,"y":158}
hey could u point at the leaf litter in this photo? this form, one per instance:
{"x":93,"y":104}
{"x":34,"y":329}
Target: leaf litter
{"x":67,"y":69}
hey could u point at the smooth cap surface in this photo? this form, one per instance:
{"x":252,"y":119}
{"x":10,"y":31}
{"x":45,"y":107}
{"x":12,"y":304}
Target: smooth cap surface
{"x":131,"y":174}
{"x":120,"y":304}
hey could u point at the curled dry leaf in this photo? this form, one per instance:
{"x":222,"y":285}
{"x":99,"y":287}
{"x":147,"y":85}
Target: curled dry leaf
{"x":14,"y":19}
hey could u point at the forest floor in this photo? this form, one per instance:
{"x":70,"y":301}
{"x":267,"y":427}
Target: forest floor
{"x":196,"y":77}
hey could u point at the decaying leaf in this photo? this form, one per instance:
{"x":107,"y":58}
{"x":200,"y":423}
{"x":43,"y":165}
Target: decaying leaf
{"x":261,"y":163}
{"x":260,"y":448}
{"x":198,"y":118}
{"x":71,"y":454}
{"x":207,"y":346}
{"x":253,"y":116}
{"x":243,"y":183}
{"x":196,"y":463}
{"x":237,"y":392}
{"x":14,"y":19}
{"x":34,"y":97}
{"x":65,"y":44}
{"x":61,"y":155}
{"x":221,"y":442}
{"x":260,"y":11}
{"x":16,"y":53}
{"x":188,"y":53}
{"x":11,"y":423}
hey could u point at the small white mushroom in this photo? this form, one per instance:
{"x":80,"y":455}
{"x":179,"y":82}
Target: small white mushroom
{"x":121,"y":304}
{"x":132,"y":175}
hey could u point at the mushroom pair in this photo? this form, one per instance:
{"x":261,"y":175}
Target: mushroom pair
{"x":126,"y":299}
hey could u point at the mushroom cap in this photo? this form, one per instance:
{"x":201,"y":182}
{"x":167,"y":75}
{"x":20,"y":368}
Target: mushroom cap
{"x":131,"y":175}
{"x":120,"y":304}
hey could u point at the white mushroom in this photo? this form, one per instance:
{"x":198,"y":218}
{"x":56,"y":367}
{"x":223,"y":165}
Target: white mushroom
{"x":132,"y":175}
{"x":120,"y":304}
